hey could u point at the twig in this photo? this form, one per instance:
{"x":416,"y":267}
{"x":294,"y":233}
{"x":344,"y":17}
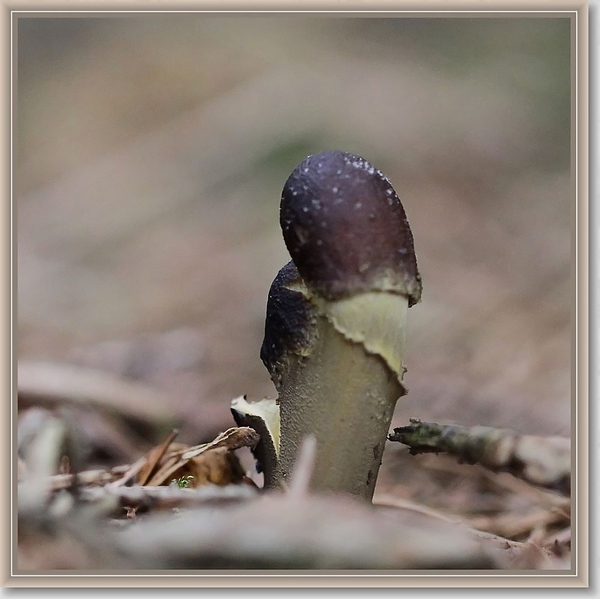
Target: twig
{"x":42,"y":460}
{"x":406,"y":504}
{"x":129,"y":473}
{"x":88,"y":477}
{"x":169,"y":497}
{"x":232,"y":439}
{"x":542,"y":461}
{"x":512,"y":525}
{"x":48,"y":384}
{"x":517,"y":554}
{"x":154,"y":456}
{"x":559,"y":542}
{"x":303,"y":469}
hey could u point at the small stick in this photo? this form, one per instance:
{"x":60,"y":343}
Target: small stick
{"x":386,"y":501}
{"x":154,"y":457}
{"x":50,"y":384}
{"x":304,"y":468}
{"x":513,"y":526}
{"x":58,"y":482}
{"x":541,"y":461}
{"x":168,"y":497}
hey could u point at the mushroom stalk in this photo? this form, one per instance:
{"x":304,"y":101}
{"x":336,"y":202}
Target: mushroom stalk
{"x":343,"y":394}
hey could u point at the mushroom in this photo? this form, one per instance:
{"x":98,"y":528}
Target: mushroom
{"x":289,"y":330}
{"x":336,"y":319}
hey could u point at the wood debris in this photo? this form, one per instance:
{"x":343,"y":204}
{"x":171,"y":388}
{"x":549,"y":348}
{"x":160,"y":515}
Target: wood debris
{"x":543,"y":461}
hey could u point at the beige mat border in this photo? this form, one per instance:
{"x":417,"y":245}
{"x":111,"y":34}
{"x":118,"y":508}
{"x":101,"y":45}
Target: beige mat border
{"x":577,"y":11}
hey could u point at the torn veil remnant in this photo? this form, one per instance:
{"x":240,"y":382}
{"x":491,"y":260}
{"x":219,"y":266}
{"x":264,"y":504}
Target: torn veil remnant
{"x":336,"y":318}
{"x":263,"y":417}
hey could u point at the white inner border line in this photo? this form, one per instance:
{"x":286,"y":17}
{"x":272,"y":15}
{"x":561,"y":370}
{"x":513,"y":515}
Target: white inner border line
{"x":286,"y":12}
{"x":11,"y":365}
{"x":283,"y":13}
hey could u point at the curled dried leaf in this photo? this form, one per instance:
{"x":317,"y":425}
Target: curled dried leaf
{"x":212,"y":462}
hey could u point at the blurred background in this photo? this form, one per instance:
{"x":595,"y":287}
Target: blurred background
{"x":150,"y":156}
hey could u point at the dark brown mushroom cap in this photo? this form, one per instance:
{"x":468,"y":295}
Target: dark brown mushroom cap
{"x":346,"y":229}
{"x":289,"y":323}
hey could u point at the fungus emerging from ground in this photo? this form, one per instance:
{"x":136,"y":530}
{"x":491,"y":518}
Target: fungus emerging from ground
{"x":336,"y":320}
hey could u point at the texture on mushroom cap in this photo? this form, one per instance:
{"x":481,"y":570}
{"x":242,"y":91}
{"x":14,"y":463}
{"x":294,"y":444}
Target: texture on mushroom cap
{"x":346,"y":229}
{"x":289,"y":323}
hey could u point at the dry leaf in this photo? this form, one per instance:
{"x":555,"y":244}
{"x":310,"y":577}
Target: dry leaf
{"x":218,"y":467}
{"x":153,"y":458}
{"x":212,"y":462}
